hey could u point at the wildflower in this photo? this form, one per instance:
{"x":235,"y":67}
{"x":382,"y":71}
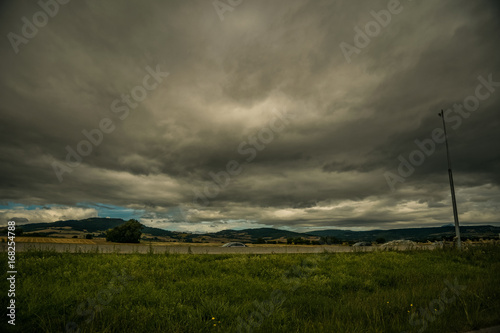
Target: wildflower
{"x":411,"y":304}
{"x":213,"y":318}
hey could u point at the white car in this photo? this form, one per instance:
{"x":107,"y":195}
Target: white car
{"x":362,"y":244}
{"x":234,"y":244}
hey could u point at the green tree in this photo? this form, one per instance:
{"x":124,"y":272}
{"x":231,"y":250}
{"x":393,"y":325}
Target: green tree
{"x":129,"y":232}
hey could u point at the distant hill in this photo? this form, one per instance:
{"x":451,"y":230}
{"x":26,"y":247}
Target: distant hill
{"x":417,"y":234}
{"x":257,"y":233}
{"x":92,"y":225}
{"x":99,"y":225}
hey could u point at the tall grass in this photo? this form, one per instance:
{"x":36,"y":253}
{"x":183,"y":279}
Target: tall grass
{"x":385,"y":291}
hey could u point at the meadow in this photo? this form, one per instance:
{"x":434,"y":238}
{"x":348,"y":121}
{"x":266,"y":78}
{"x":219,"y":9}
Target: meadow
{"x":384,"y":291}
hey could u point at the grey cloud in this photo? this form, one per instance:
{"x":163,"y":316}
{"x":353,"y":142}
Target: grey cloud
{"x":352,"y":120}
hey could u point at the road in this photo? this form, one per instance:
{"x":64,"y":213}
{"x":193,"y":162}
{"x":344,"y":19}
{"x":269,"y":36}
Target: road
{"x":195,"y":249}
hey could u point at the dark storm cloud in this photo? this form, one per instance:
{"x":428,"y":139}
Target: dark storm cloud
{"x":227,"y":79}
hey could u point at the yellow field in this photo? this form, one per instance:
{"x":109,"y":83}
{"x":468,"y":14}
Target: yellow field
{"x":50,"y":240}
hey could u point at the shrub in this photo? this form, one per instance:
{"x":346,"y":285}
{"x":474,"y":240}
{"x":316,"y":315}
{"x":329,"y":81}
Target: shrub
{"x":129,"y":232}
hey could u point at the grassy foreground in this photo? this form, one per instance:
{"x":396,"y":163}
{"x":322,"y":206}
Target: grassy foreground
{"x":414,"y":291}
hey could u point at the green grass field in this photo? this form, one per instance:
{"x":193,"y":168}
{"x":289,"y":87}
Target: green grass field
{"x":426,"y":291}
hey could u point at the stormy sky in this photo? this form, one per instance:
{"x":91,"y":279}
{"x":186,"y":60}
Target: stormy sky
{"x":208,"y":115}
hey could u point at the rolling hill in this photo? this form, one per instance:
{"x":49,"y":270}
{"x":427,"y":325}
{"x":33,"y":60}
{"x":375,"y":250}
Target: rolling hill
{"x":100,"y":225}
{"x":416,"y":234}
{"x":93,"y":225}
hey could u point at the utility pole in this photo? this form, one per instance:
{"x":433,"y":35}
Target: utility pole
{"x":452,"y":187}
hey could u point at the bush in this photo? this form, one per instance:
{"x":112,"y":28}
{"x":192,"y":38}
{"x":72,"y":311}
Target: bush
{"x":88,"y":236}
{"x":129,"y":232}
